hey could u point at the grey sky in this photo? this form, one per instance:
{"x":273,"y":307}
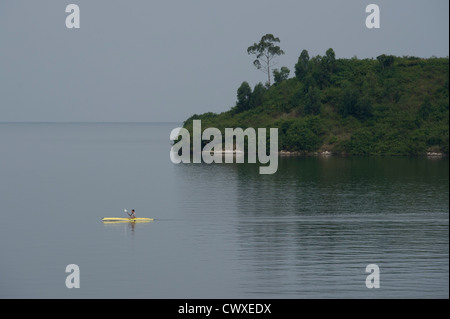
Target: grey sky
{"x":165,"y":60}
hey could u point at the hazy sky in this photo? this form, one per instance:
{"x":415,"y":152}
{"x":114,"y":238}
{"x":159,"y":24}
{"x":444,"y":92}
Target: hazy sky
{"x":144,"y":60}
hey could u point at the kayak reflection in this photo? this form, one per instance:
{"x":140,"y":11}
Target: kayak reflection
{"x":123,"y":221}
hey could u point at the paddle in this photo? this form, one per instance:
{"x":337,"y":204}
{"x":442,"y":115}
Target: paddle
{"x":126,"y":211}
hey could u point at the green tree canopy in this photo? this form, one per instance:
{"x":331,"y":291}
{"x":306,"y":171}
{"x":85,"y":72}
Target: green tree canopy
{"x":301,"y":67}
{"x":281,"y":75}
{"x":257,"y":97}
{"x":266,"y":51}
{"x":244,"y":93}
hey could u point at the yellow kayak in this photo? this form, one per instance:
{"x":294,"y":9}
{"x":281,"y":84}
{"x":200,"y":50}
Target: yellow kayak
{"x":120,"y":219}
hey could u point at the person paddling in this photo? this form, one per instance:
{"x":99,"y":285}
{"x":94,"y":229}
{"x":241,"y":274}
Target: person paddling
{"x":132,"y":215}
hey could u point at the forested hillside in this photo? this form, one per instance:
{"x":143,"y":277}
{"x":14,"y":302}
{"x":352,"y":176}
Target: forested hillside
{"x":382,"y":106}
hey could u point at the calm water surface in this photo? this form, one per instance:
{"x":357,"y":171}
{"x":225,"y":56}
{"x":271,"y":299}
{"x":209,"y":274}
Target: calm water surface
{"x":220,"y":230}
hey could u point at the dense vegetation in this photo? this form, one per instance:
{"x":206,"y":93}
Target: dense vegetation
{"x":384,"y":106}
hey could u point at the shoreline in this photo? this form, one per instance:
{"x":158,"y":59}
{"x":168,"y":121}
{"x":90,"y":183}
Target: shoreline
{"x":285,"y":153}
{"x":328,"y":153}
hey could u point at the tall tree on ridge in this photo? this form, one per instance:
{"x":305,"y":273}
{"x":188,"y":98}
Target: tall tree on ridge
{"x":265,"y":52}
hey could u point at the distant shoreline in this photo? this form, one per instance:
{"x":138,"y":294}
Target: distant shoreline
{"x":329,"y":154}
{"x":284,"y":153}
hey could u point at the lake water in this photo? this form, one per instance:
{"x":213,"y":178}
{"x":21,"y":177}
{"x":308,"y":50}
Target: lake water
{"x":220,"y":230}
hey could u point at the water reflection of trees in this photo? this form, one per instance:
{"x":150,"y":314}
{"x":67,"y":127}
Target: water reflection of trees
{"x":319,"y":221}
{"x":334,"y":214}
